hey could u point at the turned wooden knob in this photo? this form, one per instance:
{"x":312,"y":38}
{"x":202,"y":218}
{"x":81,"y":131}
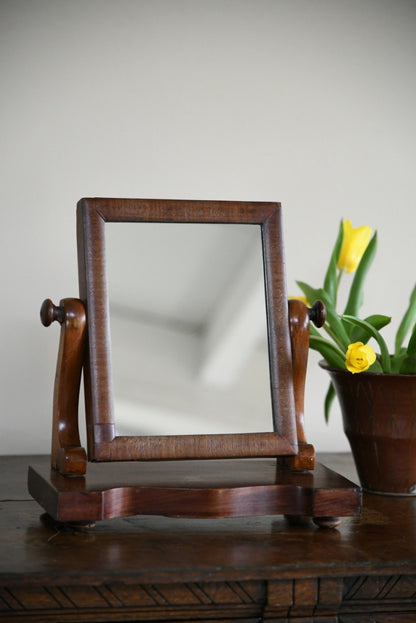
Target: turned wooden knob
{"x":317,"y":314}
{"x":50,"y":312}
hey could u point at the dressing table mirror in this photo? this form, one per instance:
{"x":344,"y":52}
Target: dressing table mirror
{"x":262,"y":466}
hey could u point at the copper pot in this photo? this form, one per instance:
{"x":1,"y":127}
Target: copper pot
{"x":379,"y":418}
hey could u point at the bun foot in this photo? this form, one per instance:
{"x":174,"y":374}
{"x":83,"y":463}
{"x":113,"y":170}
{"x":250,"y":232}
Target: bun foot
{"x":326,"y":522}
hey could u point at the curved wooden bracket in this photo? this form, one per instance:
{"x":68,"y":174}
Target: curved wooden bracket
{"x":300,"y":317}
{"x":68,"y":457}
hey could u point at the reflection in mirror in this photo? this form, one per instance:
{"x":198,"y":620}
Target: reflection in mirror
{"x":188,"y":328}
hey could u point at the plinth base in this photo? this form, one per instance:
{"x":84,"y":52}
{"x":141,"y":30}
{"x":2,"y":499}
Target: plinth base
{"x":197,"y":489}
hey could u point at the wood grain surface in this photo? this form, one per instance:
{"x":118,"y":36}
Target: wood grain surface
{"x":235,"y":569}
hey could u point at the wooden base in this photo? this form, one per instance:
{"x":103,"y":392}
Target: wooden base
{"x":195,"y":489}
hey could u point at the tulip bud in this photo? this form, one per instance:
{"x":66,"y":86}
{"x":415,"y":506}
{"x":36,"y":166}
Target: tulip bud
{"x":354,"y":244}
{"x":359,"y":357}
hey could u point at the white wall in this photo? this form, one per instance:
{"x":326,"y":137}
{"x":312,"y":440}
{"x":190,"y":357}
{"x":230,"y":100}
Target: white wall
{"x":307,"y":102}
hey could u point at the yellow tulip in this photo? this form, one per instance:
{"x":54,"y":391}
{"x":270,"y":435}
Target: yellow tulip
{"x":354,"y":244}
{"x":359,"y":357}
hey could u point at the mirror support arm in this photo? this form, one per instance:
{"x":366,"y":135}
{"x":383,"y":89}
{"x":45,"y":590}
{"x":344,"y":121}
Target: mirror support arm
{"x":67,"y":456}
{"x":300,"y":317}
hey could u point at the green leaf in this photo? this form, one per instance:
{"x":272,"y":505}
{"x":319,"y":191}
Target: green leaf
{"x":411,"y":348}
{"x":331,"y":278}
{"x":407,"y":358}
{"x":376,"y":366}
{"x":407,"y":321}
{"x":310,"y":293}
{"x":378,"y":321}
{"x":329,"y":399}
{"x":331,"y":353}
{"x":408,"y":365}
{"x":334,"y":322}
{"x":384,"y":351}
{"x":356,"y":295}
{"x":396,"y":361}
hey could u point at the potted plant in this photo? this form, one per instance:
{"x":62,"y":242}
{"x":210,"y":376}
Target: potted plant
{"x":376,"y":388}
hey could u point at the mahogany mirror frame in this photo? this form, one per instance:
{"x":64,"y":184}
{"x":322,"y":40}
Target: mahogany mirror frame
{"x":103,"y":442}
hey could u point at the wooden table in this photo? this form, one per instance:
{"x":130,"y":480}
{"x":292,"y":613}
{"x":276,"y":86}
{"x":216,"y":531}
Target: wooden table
{"x":164,"y":569}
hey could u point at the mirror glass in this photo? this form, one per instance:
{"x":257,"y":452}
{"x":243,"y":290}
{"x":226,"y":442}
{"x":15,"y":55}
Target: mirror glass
{"x":188,"y":328}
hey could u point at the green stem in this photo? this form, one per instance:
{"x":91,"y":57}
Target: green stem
{"x":384,"y":352}
{"x":333,"y":335}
